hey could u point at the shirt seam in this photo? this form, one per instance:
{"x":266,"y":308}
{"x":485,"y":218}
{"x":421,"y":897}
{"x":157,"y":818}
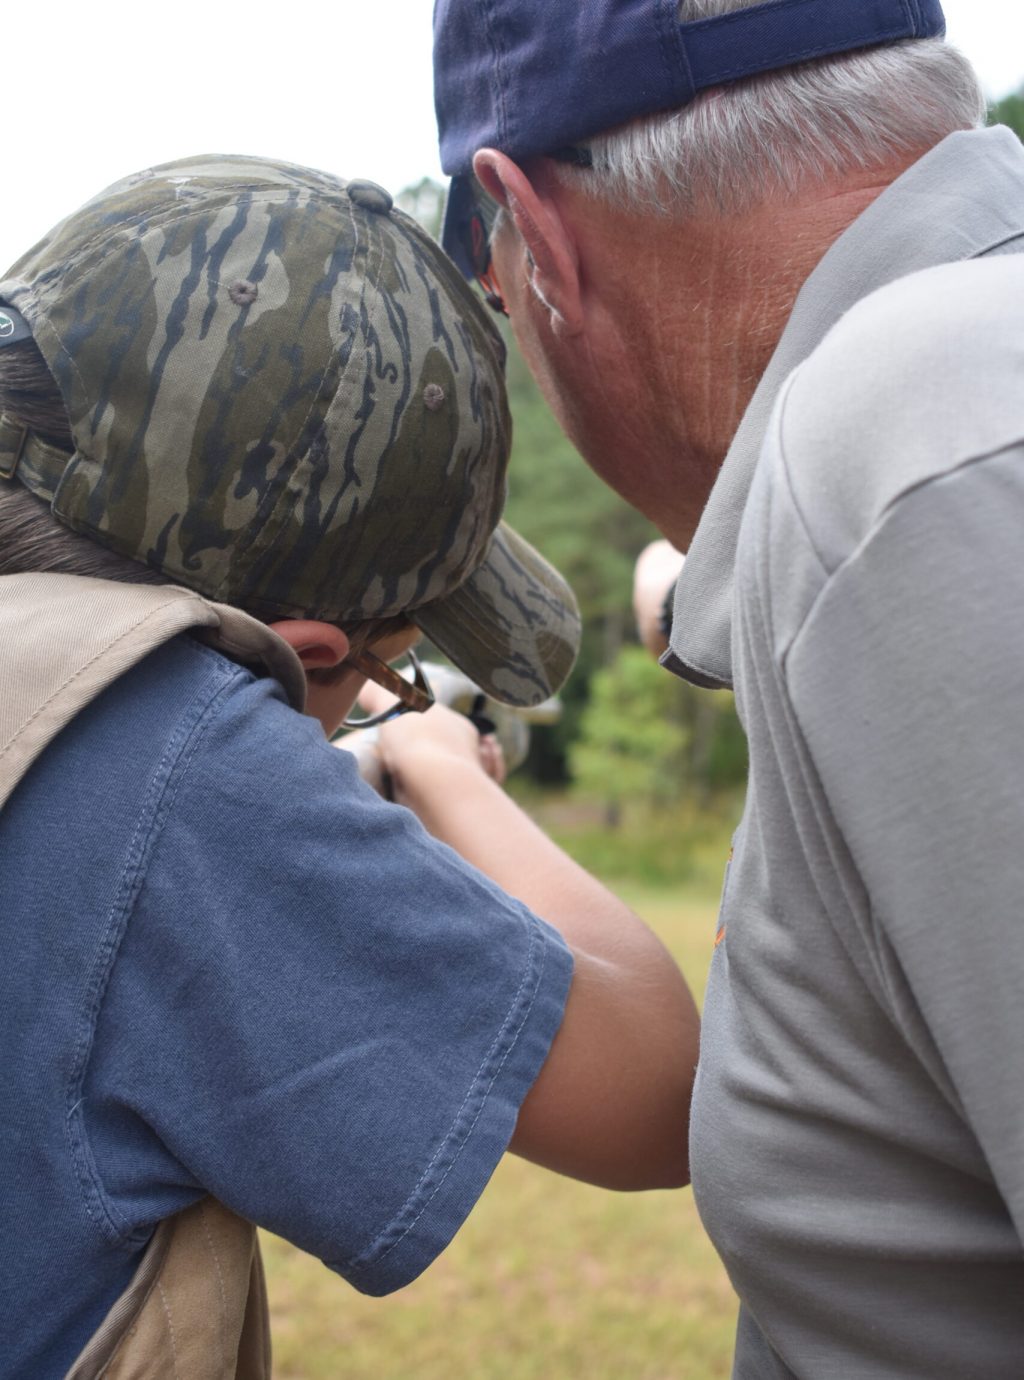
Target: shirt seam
{"x":1008,"y":238}
{"x":885,"y":513}
{"x":167,"y":776}
{"x":405,"y":1220}
{"x":811,"y":779}
{"x":805,"y":526}
{"x":878,"y":521}
{"x":898,"y":500}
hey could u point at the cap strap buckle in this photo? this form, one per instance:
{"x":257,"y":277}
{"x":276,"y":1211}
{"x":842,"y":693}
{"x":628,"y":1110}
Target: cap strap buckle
{"x":39,"y":466}
{"x":13,"y":436}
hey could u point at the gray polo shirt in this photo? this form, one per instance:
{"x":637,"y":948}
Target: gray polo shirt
{"x":858,"y":1124}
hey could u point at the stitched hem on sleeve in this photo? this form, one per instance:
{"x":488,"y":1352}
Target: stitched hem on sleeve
{"x":482,"y":1129}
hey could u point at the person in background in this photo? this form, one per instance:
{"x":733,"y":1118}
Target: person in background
{"x":764,"y":261}
{"x":253,"y":440}
{"x":654,"y":589}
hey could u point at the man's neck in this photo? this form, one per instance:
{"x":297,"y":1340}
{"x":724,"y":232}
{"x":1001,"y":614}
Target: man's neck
{"x":704,"y":301}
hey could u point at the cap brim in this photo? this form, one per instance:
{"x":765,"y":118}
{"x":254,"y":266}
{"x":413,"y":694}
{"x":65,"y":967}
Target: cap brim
{"x":458,"y":207}
{"x":513,"y":626}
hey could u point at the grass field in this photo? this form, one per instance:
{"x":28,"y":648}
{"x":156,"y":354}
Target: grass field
{"x":548,"y":1279}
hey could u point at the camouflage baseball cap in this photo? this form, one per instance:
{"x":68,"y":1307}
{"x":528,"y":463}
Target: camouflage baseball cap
{"x":285,"y":397}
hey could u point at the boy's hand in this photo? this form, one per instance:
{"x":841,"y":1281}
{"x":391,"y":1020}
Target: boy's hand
{"x":611,"y":1103}
{"x":423,"y":743}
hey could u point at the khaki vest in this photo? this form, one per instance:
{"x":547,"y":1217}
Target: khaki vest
{"x":196,"y":1308}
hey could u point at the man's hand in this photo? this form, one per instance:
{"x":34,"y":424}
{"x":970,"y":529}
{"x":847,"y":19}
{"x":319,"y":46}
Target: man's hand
{"x":657,"y":569}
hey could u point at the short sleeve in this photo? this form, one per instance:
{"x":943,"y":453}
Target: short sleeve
{"x":318,"y":1013}
{"x":908,"y":683}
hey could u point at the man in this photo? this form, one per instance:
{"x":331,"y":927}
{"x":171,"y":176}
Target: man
{"x":237,"y":986}
{"x":763,"y":263}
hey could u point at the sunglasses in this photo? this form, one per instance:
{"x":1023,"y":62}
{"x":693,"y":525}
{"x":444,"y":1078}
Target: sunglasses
{"x":414,"y":697}
{"x":470,"y":217}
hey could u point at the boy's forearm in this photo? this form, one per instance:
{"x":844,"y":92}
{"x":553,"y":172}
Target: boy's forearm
{"x":612,"y":1102}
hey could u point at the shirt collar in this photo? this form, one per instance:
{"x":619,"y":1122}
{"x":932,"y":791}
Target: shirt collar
{"x":963,"y":199}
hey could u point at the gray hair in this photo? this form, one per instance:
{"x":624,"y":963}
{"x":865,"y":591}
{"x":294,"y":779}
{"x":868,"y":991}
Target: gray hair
{"x":733,"y":147}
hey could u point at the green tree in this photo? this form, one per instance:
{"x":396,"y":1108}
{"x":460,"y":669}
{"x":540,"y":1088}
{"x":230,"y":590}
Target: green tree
{"x":424,"y":201}
{"x":649,"y":739}
{"x":632,"y":738}
{"x":1009,"y":111}
{"x":716,"y":756}
{"x":584,"y":529}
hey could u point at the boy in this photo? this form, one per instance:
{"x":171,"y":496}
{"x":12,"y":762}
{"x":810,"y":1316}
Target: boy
{"x":253,"y":436}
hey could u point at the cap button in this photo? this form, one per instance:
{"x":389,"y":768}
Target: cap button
{"x":370,"y":197}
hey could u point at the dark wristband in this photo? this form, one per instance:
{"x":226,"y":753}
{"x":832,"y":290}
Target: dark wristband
{"x":665,"y":615}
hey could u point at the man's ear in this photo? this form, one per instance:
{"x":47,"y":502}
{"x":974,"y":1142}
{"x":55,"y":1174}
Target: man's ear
{"x":552,"y":262}
{"x":318,"y":645}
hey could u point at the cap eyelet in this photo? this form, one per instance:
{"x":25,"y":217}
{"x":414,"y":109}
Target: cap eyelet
{"x":243,"y":292}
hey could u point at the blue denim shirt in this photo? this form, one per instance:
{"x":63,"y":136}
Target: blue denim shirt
{"x":227,"y":967}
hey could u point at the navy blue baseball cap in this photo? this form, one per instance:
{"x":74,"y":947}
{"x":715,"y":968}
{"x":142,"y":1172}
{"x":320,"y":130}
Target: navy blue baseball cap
{"x":530,"y":77}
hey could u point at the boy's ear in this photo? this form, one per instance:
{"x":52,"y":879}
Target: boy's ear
{"x":319,"y":646}
{"x":552,"y":261}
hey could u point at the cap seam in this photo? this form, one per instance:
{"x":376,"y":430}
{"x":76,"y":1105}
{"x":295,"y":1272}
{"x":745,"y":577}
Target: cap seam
{"x":664,"y":41}
{"x":504,"y":123}
{"x":106,"y":241}
{"x":261,"y":546}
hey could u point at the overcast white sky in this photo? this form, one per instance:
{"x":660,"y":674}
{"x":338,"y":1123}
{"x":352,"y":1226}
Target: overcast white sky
{"x":99,"y":89}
